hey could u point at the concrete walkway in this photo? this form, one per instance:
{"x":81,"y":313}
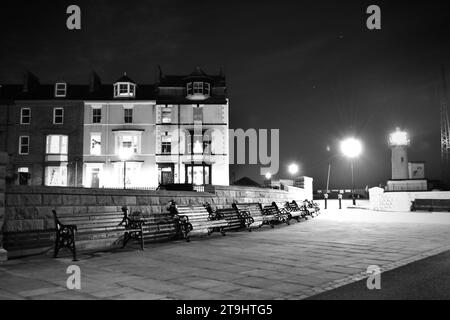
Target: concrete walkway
{"x":289,"y":262}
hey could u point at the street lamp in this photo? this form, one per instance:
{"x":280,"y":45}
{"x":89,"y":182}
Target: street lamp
{"x":293,"y":169}
{"x":351,"y":148}
{"x":124,"y":155}
{"x":268,"y":176}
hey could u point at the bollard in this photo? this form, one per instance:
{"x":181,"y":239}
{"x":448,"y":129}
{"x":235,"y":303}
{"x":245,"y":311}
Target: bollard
{"x":340,"y":200}
{"x":326,"y":200}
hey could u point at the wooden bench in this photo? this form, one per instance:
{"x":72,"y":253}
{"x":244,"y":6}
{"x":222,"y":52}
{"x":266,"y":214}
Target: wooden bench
{"x":254,"y":213}
{"x":197,"y":219}
{"x":303,"y":208}
{"x":93,"y":226}
{"x":235,"y":220}
{"x":280,"y":212}
{"x":431,"y":205}
{"x":290,"y":210}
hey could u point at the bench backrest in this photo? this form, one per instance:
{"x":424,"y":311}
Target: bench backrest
{"x":96,"y":221}
{"x":232,"y":216}
{"x":272,"y":209}
{"x":255,"y":209}
{"x":195,"y":213}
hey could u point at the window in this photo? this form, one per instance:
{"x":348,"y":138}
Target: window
{"x":128,"y":143}
{"x":24,"y":144}
{"x":58,"y":115}
{"x":124,"y":90}
{"x":166,"y":147}
{"x":56,"y":176}
{"x":128,"y":115}
{"x":166,"y":115}
{"x":23,"y":175}
{"x":25,"y":116}
{"x":206,"y":144}
{"x":60,"y":90}
{"x":198,"y":90}
{"x":96,"y":144}
{"x":57,"y":144}
{"x":97,"y":115}
{"x":198,"y":87}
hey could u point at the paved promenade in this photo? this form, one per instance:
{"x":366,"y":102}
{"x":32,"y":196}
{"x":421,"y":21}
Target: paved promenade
{"x":289,"y":262}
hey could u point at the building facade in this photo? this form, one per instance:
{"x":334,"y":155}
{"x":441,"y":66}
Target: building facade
{"x":120,"y":135}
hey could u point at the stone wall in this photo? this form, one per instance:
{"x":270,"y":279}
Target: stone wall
{"x":28,"y":209}
{"x":400,"y":201}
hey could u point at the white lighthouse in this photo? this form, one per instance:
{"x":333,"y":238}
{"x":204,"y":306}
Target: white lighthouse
{"x":405,"y":174}
{"x":399,"y":143}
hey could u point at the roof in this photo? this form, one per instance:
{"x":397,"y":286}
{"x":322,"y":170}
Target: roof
{"x":198,"y":74}
{"x":125,"y":78}
{"x":74,"y":92}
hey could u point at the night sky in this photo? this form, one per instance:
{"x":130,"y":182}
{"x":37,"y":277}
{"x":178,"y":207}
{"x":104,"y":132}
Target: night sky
{"x":309,"y":68}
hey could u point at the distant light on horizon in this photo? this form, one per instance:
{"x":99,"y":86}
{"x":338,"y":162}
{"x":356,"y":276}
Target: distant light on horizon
{"x":351,"y":147}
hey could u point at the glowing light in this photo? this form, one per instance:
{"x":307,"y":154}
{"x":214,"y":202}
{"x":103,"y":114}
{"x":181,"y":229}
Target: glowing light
{"x":399,"y":138}
{"x":293,"y":168}
{"x":268,"y":176}
{"x":351,"y":147}
{"x":125,"y":154}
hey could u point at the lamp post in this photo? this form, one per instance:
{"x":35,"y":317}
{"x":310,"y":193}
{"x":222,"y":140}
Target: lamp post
{"x":351,"y":148}
{"x":124,"y":155}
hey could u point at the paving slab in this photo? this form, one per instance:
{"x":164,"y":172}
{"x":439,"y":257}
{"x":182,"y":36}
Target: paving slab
{"x":288,"y":262}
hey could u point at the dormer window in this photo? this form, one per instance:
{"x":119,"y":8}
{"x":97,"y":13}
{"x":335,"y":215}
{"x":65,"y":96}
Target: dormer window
{"x":124,"y":88}
{"x":60,"y":90}
{"x":198,"y":90}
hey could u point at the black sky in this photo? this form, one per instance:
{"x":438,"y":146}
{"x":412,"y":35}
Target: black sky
{"x":310,"y":68}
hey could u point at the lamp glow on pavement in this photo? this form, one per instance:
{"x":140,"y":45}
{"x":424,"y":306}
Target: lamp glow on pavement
{"x":351,"y":147}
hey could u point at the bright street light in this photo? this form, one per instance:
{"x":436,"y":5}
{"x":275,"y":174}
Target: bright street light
{"x":293,"y":168}
{"x":351,"y":147}
{"x":268,"y":176}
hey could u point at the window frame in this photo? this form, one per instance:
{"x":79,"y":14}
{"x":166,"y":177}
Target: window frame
{"x":22,"y":145}
{"x":60,"y":144}
{"x":91,"y":148}
{"x":128,"y":118}
{"x":22,"y":116}
{"x":64,"y":89}
{"x":94,"y":116}
{"x":62,"y":115}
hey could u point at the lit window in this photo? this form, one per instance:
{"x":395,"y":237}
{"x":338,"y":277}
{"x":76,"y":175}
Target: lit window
{"x":58,"y":115}
{"x":128,"y":143}
{"x":198,"y":87}
{"x":206,"y":144}
{"x":60,"y":90}
{"x":97,"y":115}
{"x":128,"y":115}
{"x":96,"y":144}
{"x":24,"y":144}
{"x":23,"y":175}
{"x":56,"y":176}
{"x":166,"y":115}
{"x":166,"y":144}
{"x":25,"y":116}
{"x":57,"y":144}
{"x":124,"y":90}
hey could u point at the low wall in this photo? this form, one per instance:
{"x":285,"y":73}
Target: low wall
{"x":28,"y":210}
{"x":400,"y":201}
